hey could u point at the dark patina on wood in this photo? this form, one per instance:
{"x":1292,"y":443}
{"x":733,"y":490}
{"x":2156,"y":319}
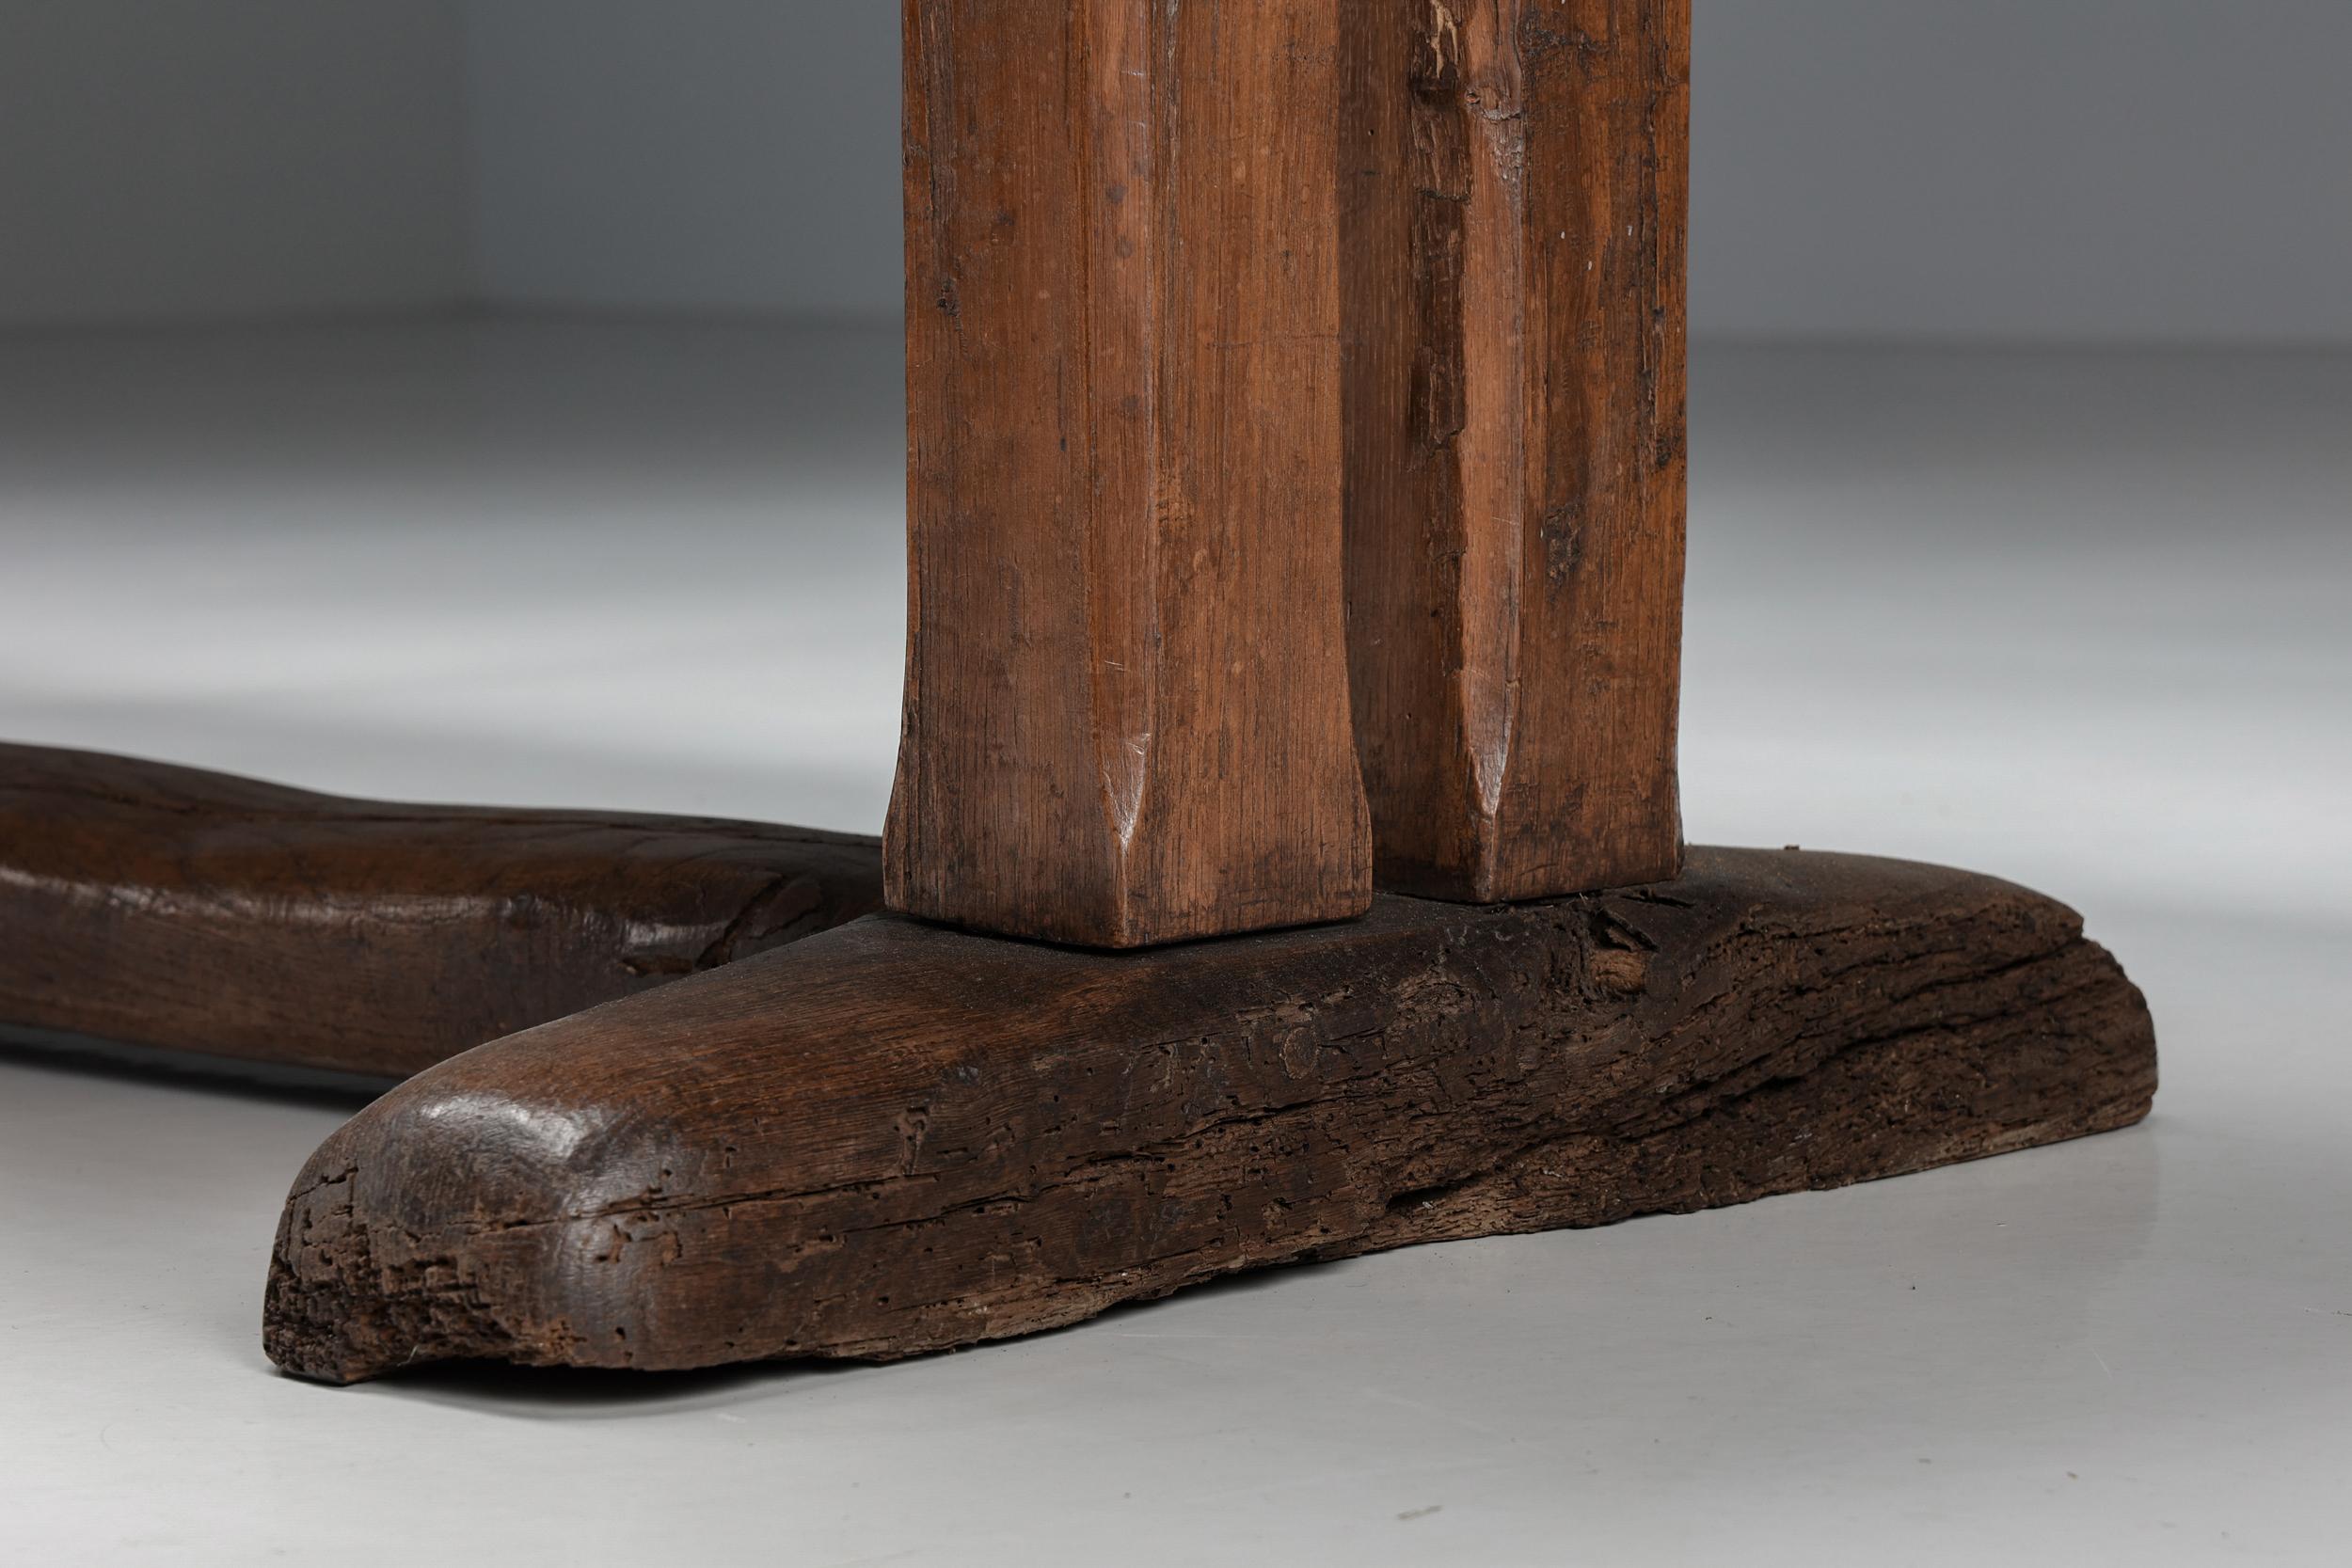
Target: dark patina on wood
{"x":160,"y":906}
{"x":895,"y":1138}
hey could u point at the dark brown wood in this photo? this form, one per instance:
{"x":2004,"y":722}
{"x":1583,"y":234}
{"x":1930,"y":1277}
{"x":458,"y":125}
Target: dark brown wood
{"x":162,"y":905}
{"x":1126,"y":705}
{"x":895,"y":1138}
{"x":1516,"y":211}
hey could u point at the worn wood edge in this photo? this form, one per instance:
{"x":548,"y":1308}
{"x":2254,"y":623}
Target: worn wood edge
{"x":174,"y":908}
{"x":894,"y":1139}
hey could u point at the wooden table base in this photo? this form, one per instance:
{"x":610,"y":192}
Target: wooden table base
{"x":894,"y":1139}
{"x":1296,"y":398}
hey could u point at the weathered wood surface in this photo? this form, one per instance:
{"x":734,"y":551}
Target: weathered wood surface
{"x":894,"y":1139}
{"x":1514,"y":209}
{"x":162,"y":905}
{"x":1126,"y":712}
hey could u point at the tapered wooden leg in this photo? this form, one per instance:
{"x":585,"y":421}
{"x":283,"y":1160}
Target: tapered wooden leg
{"x":1515,"y":208}
{"x":1126,"y":704}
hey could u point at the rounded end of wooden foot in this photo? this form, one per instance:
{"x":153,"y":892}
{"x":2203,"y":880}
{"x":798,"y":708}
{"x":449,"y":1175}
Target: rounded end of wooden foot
{"x":451,"y":1221}
{"x":338,"y":1309}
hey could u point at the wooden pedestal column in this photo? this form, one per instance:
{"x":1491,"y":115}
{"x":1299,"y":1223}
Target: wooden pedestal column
{"x":1515,"y":203}
{"x":1126,"y":704}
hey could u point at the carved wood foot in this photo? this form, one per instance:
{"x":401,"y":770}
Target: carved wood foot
{"x":895,"y":1138}
{"x":151,"y":905}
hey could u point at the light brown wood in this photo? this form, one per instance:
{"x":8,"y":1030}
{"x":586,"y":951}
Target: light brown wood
{"x":893,"y":1138}
{"x":1126,"y":712}
{"x":1516,"y":209}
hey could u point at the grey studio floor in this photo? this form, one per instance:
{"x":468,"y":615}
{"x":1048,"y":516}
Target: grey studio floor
{"x":2085,"y":620}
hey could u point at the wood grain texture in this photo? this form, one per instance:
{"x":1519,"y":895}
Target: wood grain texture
{"x":895,"y":1138}
{"x":163,"y":906}
{"x":1126,"y":714}
{"x":1515,"y":213}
